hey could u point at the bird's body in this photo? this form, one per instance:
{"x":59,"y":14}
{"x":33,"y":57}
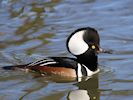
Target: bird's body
{"x":84,"y":44}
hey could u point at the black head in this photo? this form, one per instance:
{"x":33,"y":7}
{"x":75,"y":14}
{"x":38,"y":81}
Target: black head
{"x":83,"y":41}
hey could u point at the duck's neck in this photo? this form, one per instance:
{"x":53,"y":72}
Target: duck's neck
{"x":89,"y":61}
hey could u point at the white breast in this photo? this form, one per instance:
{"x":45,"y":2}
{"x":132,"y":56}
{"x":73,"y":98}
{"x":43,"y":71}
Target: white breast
{"x":89,"y":72}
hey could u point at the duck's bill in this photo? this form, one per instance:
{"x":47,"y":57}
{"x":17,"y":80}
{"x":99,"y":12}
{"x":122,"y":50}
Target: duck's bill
{"x":101,"y":50}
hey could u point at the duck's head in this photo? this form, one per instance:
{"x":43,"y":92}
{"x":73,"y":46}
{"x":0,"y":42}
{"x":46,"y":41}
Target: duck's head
{"x":84,"y":42}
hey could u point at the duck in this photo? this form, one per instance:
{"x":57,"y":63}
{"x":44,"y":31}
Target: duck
{"x":83,"y":44}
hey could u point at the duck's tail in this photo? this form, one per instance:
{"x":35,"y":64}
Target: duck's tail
{"x":15,"y":67}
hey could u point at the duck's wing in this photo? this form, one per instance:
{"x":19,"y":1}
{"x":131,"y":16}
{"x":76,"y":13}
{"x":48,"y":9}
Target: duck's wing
{"x":55,"y":62}
{"x":61,"y":66}
{"x":49,"y":62}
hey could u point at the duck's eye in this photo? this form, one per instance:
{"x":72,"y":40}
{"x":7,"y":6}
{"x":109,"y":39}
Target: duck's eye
{"x":93,"y":46}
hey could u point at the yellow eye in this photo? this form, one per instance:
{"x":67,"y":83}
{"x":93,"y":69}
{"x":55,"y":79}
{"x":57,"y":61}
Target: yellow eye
{"x":93,"y":47}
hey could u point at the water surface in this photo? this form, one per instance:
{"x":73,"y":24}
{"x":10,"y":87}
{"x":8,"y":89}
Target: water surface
{"x":34,"y":29}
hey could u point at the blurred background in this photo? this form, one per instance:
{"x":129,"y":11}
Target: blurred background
{"x":34,"y":29}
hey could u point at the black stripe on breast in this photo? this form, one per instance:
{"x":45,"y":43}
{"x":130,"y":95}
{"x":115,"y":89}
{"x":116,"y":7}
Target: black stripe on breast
{"x":84,"y":71}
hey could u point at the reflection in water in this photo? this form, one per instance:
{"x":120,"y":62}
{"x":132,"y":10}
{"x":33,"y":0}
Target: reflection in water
{"x":87,"y":90}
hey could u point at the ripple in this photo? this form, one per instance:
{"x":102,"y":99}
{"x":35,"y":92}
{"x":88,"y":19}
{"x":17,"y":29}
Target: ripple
{"x":32,"y":29}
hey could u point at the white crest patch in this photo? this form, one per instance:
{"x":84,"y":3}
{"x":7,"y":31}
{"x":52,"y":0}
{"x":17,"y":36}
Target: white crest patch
{"x":76,"y":44}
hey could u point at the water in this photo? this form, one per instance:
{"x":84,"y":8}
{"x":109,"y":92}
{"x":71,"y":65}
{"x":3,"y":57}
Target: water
{"x":34,"y":29}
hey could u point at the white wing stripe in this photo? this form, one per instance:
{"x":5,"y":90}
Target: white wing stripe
{"x":48,"y":63}
{"x":41,"y":61}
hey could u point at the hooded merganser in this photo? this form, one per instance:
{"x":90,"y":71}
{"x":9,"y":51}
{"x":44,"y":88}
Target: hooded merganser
{"x":84,"y":44}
